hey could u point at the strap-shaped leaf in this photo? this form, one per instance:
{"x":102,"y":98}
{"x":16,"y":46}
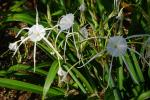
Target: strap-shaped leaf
{"x":23,"y":17}
{"x":19,"y":85}
{"x":50,"y":77}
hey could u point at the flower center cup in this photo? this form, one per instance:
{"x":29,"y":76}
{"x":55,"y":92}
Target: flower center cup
{"x":36,"y":33}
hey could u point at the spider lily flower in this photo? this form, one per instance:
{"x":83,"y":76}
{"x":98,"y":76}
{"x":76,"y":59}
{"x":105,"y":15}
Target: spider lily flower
{"x":117,"y":47}
{"x":82,"y":7}
{"x":62,"y":74}
{"x":65,"y":23}
{"x":12,"y":46}
{"x":35,"y":34}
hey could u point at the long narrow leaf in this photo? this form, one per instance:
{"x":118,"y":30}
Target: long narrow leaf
{"x":76,"y":80}
{"x":23,"y":17}
{"x":50,"y":77}
{"x":130,"y":68}
{"x":144,"y":96}
{"x":19,"y":85}
{"x":137,"y":67}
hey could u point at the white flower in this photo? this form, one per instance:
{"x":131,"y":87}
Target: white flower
{"x":62,"y":74}
{"x":66,"y":22}
{"x":82,"y":7}
{"x":12,"y":46}
{"x":22,"y":37}
{"x":117,"y":46}
{"x":36,"y":33}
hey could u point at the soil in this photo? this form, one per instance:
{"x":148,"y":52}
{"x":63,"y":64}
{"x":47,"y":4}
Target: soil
{"x":9,"y":94}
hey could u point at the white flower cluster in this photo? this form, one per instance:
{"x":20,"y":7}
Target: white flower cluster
{"x":37,"y":33}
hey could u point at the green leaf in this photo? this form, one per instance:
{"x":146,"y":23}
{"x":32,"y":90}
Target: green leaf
{"x":74,"y":76}
{"x":120,"y":78}
{"x":59,"y":12}
{"x":50,"y":77}
{"x":22,"y":67}
{"x":23,"y":17}
{"x":19,"y":85}
{"x":144,"y":96}
{"x":130,"y":68}
{"x":149,"y":72}
{"x":109,"y":95}
{"x":84,"y":80}
{"x":3,"y":73}
{"x":17,"y":6}
{"x":18,"y":67}
{"x":137,"y":67}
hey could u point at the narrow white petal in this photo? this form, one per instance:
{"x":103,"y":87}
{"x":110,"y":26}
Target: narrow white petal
{"x":20,"y":44}
{"x":37,"y":16}
{"x":21,"y":31}
{"x":34,"y":56}
{"x":57,"y":37}
{"x":65,"y":46}
{"x":95,"y":56}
